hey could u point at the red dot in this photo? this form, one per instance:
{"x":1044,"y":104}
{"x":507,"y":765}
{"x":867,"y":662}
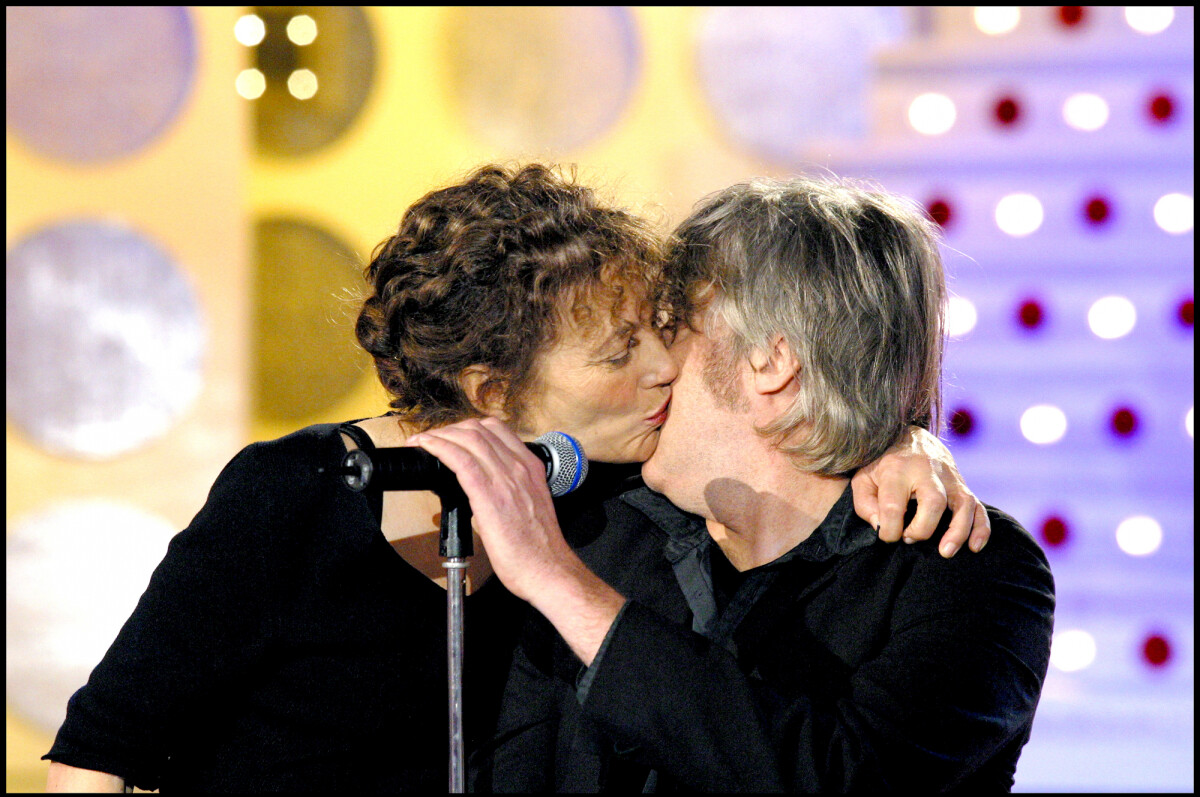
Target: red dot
{"x":1161,"y":108}
{"x":940,"y":211}
{"x":1185,"y":312}
{"x":962,"y":422}
{"x":1071,"y":16}
{"x":1157,"y":650}
{"x":1054,"y":531}
{"x":1007,"y":111}
{"x":1124,"y":422}
{"x":1097,"y":210}
{"x":1030,"y":314}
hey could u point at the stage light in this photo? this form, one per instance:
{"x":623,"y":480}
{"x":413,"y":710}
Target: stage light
{"x":249,"y":30}
{"x":1139,"y":535}
{"x":1173,"y":213}
{"x":1071,"y":16}
{"x":1161,"y":108}
{"x":1186,"y":312}
{"x":1187,"y":422}
{"x":1149,"y":19}
{"x":960,"y":316}
{"x":251,"y":84}
{"x":995,"y":20}
{"x":1007,"y":111}
{"x":940,"y":211}
{"x":1096,"y":211}
{"x":1054,"y":531}
{"x":1043,"y":424}
{"x":1156,"y":649}
{"x":1124,"y":422}
{"x":1030,"y":314}
{"x":302,"y":84}
{"x":1112,"y":317}
{"x":1072,"y":650}
{"x":932,"y":114}
{"x":1019,"y":214}
{"x":962,"y":422}
{"x":1086,"y":112}
{"x":302,"y":30}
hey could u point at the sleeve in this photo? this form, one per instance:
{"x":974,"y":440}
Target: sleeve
{"x":944,"y":693}
{"x":520,"y":756}
{"x":201,"y":621}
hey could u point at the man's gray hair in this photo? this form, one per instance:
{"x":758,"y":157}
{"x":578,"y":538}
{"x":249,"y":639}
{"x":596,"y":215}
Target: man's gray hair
{"x":851,"y":277}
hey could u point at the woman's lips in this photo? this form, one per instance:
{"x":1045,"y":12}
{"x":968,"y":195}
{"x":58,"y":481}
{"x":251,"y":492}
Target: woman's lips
{"x":658,"y":418}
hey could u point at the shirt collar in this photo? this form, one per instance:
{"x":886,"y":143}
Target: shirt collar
{"x":841,"y":532}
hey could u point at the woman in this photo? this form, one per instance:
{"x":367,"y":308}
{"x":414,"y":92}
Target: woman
{"x":292,"y":639}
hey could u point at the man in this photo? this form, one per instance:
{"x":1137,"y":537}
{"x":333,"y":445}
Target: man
{"x":740,"y":629}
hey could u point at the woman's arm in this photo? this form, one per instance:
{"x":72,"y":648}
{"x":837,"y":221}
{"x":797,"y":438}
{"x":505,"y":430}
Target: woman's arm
{"x":919,"y":467}
{"x":63,"y":778}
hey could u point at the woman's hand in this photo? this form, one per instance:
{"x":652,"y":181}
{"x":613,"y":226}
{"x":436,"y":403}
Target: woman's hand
{"x":920,"y":467}
{"x":514,"y":516}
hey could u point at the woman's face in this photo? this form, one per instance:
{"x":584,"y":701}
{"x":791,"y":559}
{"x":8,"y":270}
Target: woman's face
{"x":607,"y":386}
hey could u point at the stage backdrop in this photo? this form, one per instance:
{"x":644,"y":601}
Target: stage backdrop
{"x":192,"y":193}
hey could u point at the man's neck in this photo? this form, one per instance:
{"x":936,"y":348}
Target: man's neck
{"x":759,"y":518}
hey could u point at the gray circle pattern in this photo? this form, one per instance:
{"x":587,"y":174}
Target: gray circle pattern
{"x":90,"y":83}
{"x":103,"y":339}
{"x":780,"y":78}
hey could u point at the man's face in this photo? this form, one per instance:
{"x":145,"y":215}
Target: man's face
{"x":708,"y":408}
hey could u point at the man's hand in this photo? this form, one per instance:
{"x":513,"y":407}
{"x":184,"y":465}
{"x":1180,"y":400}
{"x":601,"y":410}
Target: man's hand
{"x":515,"y":518}
{"x":920,"y":467}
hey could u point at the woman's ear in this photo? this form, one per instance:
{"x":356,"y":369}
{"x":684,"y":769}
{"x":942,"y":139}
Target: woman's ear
{"x":483,"y":390}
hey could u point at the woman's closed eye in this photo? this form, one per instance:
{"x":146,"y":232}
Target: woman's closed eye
{"x":624,"y":357}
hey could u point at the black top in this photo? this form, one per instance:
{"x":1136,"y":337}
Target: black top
{"x":282,"y":644}
{"x":845,"y":665}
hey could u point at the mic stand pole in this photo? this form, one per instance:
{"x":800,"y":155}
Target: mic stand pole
{"x":454,"y":545}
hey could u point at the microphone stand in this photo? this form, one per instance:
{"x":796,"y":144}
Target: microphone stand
{"x":454,"y":545}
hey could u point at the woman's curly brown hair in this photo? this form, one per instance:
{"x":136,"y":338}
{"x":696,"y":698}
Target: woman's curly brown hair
{"x":483,"y":273}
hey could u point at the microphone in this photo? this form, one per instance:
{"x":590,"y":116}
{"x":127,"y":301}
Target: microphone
{"x":411,"y":468}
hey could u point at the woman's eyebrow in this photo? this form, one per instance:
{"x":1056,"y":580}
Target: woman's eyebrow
{"x":621,"y":332}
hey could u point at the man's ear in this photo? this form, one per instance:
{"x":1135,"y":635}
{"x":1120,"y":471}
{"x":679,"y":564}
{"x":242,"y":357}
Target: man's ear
{"x":483,"y":390}
{"x":775,"y":368}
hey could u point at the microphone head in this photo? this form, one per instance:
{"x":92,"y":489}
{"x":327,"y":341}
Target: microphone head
{"x":568,"y":464}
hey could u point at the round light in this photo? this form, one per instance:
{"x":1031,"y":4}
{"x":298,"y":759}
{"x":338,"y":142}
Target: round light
{"x":1149,"y":19}
{"x":1043,"y":424}
{"x":249,"y":30}
{"x":302,"y":30}
{"x":250,"y":84}
{"x":1085,"y":111}
{"x":1072,"y":650}
{"x":995,"y":20}
{"x":932,"y":114}
{"x":1173,"y":213}
{"x":1139,"y":535}
{"x":302,"y":84}
{"x":1019,"y":214}
{"x":960,"y":316}
{"x":1187,"y":422}
{"x":1112,"y":317}
{"x":73,"y":574}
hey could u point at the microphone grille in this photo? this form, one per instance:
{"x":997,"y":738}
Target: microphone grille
{"x":568,"y":466}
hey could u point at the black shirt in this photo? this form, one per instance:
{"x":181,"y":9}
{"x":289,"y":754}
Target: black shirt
{"x":847,"y":664}
{"x":282,"y":644}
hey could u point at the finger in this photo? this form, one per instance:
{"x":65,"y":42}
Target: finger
{"x":509,"y":440}
{"x":500,"y":461}
{"x":866,"y":498}
{"x":931,"y":504}
{"x":893,"y":502}
{"x":982,"y":531}
{"x":960,"y":525}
